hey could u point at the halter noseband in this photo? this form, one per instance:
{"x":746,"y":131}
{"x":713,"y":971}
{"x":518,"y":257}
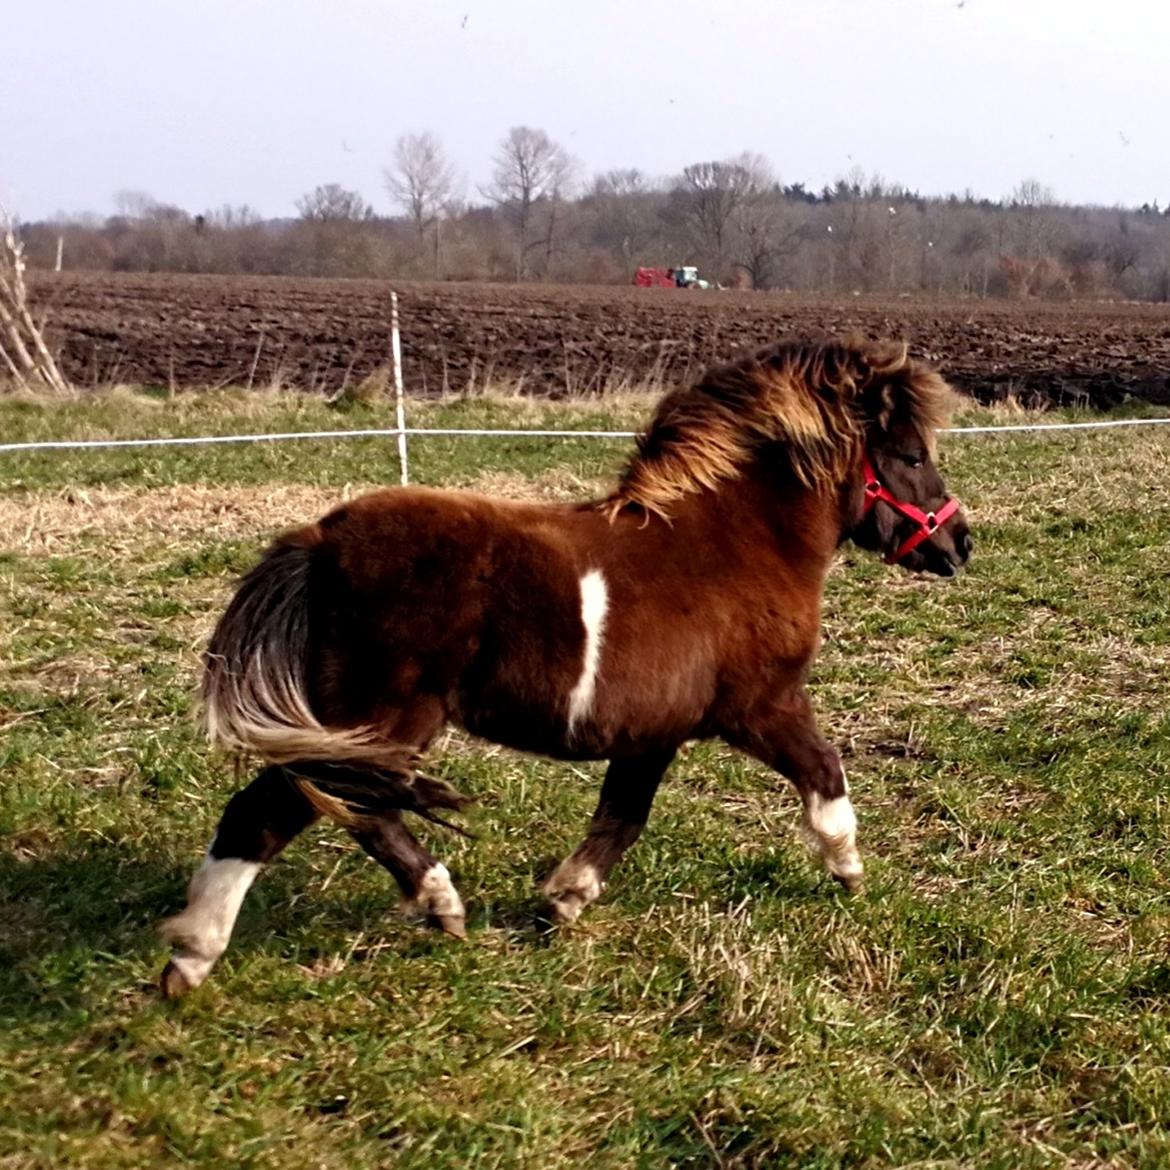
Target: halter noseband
{"x":928,"y":522}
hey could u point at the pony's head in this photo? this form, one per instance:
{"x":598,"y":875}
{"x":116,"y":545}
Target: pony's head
{"x":897,"y":502}
{"x":855,"y":417}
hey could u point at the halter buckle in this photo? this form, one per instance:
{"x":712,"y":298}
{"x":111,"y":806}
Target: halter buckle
{"x":926,"y":523}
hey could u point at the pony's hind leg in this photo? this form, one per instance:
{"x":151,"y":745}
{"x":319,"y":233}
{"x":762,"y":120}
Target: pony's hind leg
{"x":786,"y":738}
{"x":425,"y":882}
{"x":259,"y":821}
{"x":622,"y":811}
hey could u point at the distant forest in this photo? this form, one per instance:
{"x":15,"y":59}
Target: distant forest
{"x":539,"y":219}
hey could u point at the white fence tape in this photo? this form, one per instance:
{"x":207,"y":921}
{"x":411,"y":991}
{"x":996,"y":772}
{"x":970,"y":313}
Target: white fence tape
{"x":383,"y":433}
{"x":424,"y":432}
{"x":1101,"y":425}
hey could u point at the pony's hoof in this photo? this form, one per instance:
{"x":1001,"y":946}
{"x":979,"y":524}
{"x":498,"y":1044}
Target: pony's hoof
{"x":453,"y":924}
{"x":173,"y":983}
{"x":852,"y":883}
{"x":562,"y":909}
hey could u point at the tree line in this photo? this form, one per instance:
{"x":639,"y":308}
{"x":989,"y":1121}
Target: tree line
{"x":538,"y":218}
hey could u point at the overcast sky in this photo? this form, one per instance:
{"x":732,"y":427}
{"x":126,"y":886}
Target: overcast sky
{"x":207,"y":102}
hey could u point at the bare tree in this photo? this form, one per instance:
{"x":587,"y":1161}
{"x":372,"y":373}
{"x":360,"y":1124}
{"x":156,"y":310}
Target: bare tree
{"x":332,"y":203}
{"x":23,"y":351}
{"x":135,"y":204}
{"x":1033,"y":193}
{"x":1035,"y":225}
{"x":153,"y":232}
{"x":972,"y":249}
{"x":712,"y":192}
{"x":761,"y":230}
{"x":232,"y":216}
{"x":530,"y":170}
{"x":622,"y":203}
{"x":422,"y":182}
{"x":766,"y":233}
{"x":1122,"y":252}
{"x":334,"y":236}
{"x":421,"y":179}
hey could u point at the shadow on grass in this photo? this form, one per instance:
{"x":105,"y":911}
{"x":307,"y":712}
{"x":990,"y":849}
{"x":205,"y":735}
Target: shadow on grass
{"x":61,"y":914}
{"x":73,"y":923}
{"x":65,"y":918}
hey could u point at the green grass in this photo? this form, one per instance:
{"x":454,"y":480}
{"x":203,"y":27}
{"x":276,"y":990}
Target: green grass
{"x":435,"y":460}
{"x":999,"y":998}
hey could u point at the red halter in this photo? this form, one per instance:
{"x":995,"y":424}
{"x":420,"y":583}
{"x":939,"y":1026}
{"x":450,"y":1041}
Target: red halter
{"x":928,"y":522}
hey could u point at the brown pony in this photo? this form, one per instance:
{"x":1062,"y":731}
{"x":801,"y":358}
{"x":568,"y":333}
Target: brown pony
{"x":684,"y":605}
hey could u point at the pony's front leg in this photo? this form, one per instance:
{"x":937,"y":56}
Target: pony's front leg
{"x":785,"y":737}
{"x":425,"y":882}
{"x":622,"y":811}
{"x":259,"y":821}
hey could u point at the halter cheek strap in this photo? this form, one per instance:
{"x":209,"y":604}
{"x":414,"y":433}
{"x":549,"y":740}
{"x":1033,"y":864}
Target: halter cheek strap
{"x":928,"y":522}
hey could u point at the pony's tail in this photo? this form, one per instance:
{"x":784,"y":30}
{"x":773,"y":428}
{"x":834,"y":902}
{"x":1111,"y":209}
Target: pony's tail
{"x":256,"y":699}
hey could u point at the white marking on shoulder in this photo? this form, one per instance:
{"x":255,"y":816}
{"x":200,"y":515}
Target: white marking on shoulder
{"x":594,"y":606}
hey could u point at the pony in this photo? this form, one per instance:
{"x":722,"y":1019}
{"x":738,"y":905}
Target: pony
{"x":684,"y":605}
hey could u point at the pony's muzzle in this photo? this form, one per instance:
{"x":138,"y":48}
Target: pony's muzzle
{"x":950,"y":560}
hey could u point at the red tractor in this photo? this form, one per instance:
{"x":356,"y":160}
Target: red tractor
{"x":685,"y":277}
{"x":654,"y":278}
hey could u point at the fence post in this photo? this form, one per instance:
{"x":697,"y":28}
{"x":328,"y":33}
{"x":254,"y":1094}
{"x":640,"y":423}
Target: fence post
{"x":399,"y":403}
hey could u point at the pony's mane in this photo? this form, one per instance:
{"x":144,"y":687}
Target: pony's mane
{"x":809,"y":401}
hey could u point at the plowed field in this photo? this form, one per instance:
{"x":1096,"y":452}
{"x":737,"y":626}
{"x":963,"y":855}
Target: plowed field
{"x":555,"y":340}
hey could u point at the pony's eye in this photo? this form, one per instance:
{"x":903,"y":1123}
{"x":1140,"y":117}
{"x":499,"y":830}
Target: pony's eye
{"x":912,"y":460}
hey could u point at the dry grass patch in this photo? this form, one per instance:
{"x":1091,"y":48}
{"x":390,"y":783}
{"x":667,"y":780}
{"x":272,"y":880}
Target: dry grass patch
{"x":557,"y":485}
{"x":53,"y":522}
{"x":47,"y":522}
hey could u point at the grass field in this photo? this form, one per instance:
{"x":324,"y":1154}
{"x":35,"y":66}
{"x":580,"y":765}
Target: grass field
{"x":999,"y":998}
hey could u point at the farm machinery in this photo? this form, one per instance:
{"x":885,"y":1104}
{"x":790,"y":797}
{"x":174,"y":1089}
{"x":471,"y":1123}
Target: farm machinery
{"x":686,"y":276}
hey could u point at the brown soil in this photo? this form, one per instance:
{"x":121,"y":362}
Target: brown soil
{"x":320,"y":334}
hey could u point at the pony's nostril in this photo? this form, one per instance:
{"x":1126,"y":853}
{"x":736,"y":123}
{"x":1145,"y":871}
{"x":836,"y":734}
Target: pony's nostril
{"x":966,"y":544}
